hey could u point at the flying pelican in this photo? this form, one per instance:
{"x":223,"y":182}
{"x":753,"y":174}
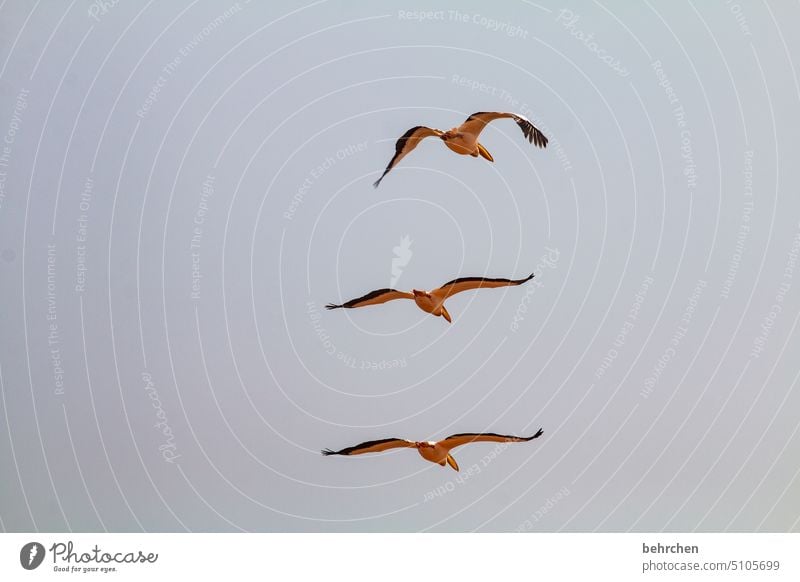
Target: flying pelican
{"x":433,"y":451}
{"x":462,"y":139}
{"x":430,"y":302}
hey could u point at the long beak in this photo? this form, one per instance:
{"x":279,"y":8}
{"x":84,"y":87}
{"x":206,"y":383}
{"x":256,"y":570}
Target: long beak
{"x":452,"y":462}
{"x":485,"y":153}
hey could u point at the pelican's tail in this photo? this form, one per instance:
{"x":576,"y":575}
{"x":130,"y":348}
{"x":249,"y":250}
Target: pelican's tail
{"x":452,"y":462}
{"x":485,"y":153}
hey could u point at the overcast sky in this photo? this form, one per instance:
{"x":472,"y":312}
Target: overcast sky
{"x":185,"y":185}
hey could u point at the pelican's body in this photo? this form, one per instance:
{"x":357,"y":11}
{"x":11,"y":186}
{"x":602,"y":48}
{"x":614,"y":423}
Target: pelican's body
{"x":465,"y":144}
{"x":462,"y":139}
{"x":430,"y":302}
{"x":434,"y":451}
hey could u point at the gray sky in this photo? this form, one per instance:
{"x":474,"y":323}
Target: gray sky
{"x":185,"y":185}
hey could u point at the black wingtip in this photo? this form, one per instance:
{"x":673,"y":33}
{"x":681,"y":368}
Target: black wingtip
{"x":533,"y":134}
{"x":523,"y":281}
{"x":327,"y":452}
{"x":538,"y":138}
{"x":332,"y":306}
{"x":544,"y":141}
{"x":377,"y":182}
{"x":537,"y":435}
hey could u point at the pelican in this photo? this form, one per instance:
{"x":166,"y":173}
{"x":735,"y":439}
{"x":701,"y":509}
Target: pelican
{"x":434,"y":451}
{"x":431,"y":302}
{"x":462,"y":139}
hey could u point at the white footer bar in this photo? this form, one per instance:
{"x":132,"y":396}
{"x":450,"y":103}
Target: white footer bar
{"x":401,"y":557}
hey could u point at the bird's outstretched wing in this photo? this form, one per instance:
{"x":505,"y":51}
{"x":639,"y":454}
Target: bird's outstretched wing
{"x":372,"y":447}
{"x":405,"y":144}
{"x":477,"y":121}
{"x":468,"y":283}
{"x":373,"y":298}
{"x":456,"y":440}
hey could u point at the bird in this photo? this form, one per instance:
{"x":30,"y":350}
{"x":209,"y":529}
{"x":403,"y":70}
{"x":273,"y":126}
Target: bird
{"x":462,"y":139}
{"x":431,"y":302}
{"x":434,"y":451}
